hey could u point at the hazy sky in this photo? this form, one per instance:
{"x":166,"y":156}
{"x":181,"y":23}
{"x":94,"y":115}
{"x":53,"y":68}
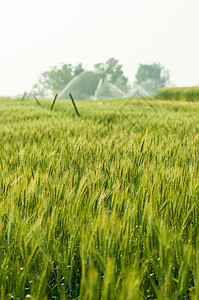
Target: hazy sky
{"x":38,"y":34}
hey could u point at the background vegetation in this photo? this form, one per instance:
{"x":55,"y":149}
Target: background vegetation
{"x":105,"y":206}
{"x":184,"y":93}
{"x":151,"y":77}
{"x":56,"y":79}
{"x":53,"y":81}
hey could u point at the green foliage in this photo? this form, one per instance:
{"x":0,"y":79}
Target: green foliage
{"x":152,"y":77}
{"x":114,"y":71}
{"x":105,"y":206}
{"x":184,"y":93}
{"x":78,"y":69}
{"x":54,"y":80}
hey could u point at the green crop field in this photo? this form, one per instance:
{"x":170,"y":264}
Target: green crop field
{"x":105,"y":206}
{"x":176,"y":93}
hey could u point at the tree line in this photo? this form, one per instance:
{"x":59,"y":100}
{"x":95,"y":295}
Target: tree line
{"x":151,"y":77}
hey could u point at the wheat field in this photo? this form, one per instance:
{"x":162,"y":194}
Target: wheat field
{"x":105,"y":206}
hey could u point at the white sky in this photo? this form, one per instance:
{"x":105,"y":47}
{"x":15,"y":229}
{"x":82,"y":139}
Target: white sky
{"x":38,"y":34}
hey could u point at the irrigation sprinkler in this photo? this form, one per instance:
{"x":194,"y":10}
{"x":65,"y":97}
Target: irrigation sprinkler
{"x":74,"y":104}
{"x":53,"y":102}
{"x":36,"y":100}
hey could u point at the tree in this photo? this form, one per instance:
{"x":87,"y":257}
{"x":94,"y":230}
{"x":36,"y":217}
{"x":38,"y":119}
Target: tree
{"x":78,"y":69}
{"x":152,"y":77}
{"x":113,"y":70}
{"x":54,"y":80}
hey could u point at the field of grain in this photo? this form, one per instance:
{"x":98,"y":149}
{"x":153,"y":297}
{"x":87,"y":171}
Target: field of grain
{"x":105,"y":206}
{"x":179,"y":93}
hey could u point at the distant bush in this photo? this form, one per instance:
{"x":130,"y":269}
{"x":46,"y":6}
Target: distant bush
{"x":183,"y":93}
